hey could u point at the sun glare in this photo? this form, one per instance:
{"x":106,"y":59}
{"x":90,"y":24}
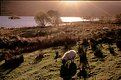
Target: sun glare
{"x":71,"y":19}
{"x":70,"y":2}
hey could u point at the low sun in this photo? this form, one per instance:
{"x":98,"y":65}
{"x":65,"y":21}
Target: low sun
{"x":70,"y":2}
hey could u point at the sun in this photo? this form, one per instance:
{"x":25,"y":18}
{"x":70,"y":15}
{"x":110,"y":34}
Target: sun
{"x":70,"y":2}
{"x":70,"y":6}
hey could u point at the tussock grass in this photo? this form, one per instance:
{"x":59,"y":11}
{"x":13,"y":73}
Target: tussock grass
{"x":53,"y":40}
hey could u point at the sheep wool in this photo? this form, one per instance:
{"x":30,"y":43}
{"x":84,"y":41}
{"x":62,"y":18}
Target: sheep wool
{"x":69,"y":55}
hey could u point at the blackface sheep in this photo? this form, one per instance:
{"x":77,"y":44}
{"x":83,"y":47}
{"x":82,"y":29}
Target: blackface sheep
{"x":98,"y":53}
{"x":39,"y":57}
{"x":93,"y":44}
{"x":83,"y":73}
{"x":82,"y":56}
{"x":85,"y":44}
{"x":69,"y":55}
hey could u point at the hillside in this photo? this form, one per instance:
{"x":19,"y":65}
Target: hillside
{"x":53,"y":38}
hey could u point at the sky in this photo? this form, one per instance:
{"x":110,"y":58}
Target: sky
{"x":65,"y":8}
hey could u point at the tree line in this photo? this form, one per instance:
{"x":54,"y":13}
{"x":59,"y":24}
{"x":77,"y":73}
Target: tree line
{"x":51,"y":17}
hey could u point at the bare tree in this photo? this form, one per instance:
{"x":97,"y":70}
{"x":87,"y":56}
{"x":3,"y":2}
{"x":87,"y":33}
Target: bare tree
{"x":54,"y":17}
{"x":42,"y":19}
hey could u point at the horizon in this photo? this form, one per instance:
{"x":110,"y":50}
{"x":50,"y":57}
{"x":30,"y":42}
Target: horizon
{"x":28,"y":21}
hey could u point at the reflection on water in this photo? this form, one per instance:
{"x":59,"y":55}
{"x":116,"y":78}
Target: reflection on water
{"x":28,"y":21}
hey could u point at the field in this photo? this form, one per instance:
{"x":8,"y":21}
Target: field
{"x":47,"y":40}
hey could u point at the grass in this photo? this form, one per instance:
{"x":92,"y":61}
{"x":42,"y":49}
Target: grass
{"x":47,"y":69}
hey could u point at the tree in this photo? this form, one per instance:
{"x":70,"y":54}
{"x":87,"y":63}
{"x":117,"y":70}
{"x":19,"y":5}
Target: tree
{"x":54,"y":17}
{"x":42,"y":19}
{"x":118,"y":19}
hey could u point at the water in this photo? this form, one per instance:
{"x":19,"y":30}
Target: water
{"x":72,"y":19}
{"x":24,"y":21}
{"x":28,"y":21}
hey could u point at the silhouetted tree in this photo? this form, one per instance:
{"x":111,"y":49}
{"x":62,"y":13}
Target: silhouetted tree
{"x":42,"y":19}
{"x":54,"y":17}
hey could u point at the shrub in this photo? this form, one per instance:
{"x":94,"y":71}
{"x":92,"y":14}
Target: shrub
{"x":118,"y":19}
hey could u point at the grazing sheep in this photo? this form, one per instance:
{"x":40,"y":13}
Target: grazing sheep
{"x":56,"y":55}
{"x":67,"y":71}
{"x":39,"y":57}
{"x":69,"y":55}
{"x":98,"y":53}
{"x":93,"y":44}
{"x":111,"y":50}
{"x":65,"y":46}
{"x":85,"y":44}
{"x":82,"y":56}
{"x":72,"y":69}
{"x":83,"y":73}
{"x":107,"y":40}
{"x":64,"y":72}
{"x":118,"y":44}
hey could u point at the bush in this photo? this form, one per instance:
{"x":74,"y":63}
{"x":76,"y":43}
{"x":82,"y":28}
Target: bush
{"x":118,"y":19}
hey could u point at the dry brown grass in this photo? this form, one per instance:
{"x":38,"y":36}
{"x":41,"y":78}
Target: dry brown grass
{"x":33,"y":39}
{"x":36,"y":38}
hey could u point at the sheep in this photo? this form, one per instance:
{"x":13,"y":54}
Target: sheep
{"x":85,"y":44}
{"x":83,"y":73}
{"x":98,"y":53}
{"x":69,"y":55}
{"x":111,"y":49}
{"x":93,"y":44}
{"x":67,"y":71}
{"x":56,"y":55}
{"x":118,"y":44}
{"x":82,"y":56}
{"x":39,"y":57}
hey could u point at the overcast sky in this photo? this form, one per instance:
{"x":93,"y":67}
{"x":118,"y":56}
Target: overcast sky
{"x":87,"y":8}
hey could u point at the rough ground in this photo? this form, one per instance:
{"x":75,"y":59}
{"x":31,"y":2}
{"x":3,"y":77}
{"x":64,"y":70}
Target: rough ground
{"x":107,"y":68}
